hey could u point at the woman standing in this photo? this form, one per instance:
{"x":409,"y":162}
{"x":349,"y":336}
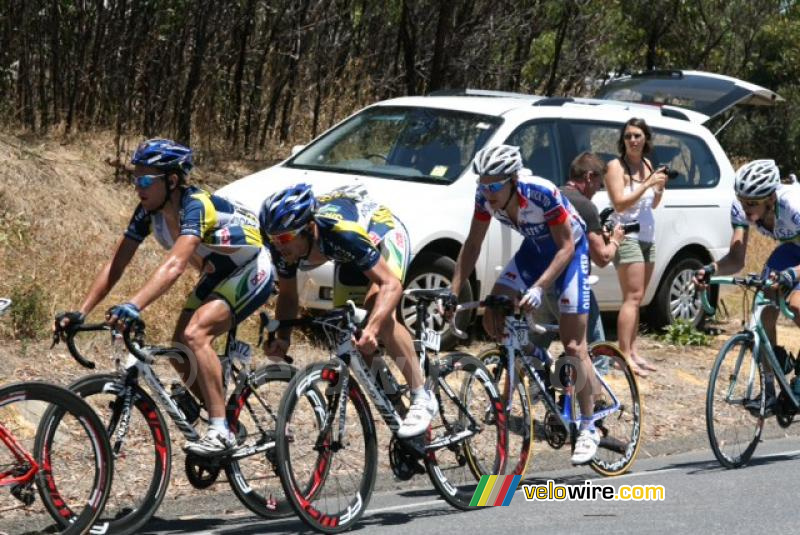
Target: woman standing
{"x":635,"y":190}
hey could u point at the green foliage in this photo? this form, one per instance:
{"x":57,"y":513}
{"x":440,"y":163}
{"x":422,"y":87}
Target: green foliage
{"x":683,"y":333}
{"x":28,"y":312}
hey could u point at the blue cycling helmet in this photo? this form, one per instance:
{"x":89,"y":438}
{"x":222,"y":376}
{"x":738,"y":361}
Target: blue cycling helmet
{"x":288,"y":210}
{"x":164,"y":154}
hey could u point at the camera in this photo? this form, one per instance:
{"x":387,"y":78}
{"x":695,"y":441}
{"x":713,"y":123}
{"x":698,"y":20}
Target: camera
{"x":671,"y":173}
{"x":608,"y":224}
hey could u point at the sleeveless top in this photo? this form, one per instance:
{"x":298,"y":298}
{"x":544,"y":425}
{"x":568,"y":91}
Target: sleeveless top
{"x":641,"y":212}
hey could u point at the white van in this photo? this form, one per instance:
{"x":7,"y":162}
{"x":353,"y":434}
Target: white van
{"x":413,"y":154}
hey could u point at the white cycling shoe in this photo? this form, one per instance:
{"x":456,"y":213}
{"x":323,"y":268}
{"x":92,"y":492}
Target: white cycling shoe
{"x":419,"y":416}
{"x":585,"y":446}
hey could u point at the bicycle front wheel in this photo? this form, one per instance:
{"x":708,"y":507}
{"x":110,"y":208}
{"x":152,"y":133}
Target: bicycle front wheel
{"x":72,"y":474}
{"x":519,"y":421}
{"x":735,"y":402}
{"x":326,"y":461}
{"x":141,"y":445}
{"x":620,"y":431}
{"x":467,"y":438}
{"x":253,"y":415}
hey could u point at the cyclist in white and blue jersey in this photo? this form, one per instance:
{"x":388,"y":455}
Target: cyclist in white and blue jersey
{"x":554,"y":252}
{"x":774,"y":209}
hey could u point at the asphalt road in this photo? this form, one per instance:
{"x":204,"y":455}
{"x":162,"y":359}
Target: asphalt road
{"x":699,"y":496}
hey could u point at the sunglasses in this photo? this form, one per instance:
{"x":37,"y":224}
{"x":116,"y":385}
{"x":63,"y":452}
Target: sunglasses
{"x":145,"y":181}
{"x":285,"y":237}
{"x":752,"y":203}
{"x":633,"y":136}
{"x":494,"y":187}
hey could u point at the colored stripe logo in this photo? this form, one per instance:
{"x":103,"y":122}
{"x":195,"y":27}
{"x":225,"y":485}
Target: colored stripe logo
{"x":494,"y":490}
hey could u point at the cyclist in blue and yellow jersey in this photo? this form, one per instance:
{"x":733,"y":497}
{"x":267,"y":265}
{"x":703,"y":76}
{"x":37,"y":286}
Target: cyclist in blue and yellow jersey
{"x":221,"y":239}
{"x":554,"y":252}
{"x":370,"y":249}
{"x":774,"y":209}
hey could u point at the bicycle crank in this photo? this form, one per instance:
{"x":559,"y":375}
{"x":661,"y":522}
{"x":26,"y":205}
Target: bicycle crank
{"x":202,"y":472}
{"x":554,"y":432}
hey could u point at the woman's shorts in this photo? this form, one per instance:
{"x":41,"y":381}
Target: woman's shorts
{"x":632,"y":251}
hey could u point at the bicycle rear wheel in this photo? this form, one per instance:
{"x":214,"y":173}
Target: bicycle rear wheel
{"x":620,"y":431}
{"x":142,"y":452}
{"x":327,"y":478}
{"x":466,"y":393}
{"x":519,"y":425}
{"x":736,"y":378}
{"x":74,"y":472}
{"x":253,"y":415}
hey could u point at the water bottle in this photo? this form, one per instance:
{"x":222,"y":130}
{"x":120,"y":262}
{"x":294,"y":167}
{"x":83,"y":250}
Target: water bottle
{"x":185,"y":402}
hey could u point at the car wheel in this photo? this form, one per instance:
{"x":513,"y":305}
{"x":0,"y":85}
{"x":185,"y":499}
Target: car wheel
{"x":431,"y":271}
{"x":676,"y":297}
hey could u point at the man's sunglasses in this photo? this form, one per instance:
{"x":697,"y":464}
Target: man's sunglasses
{"x":145,"y":181}
{"x":493,"y":187}
{"x":285,"y":237}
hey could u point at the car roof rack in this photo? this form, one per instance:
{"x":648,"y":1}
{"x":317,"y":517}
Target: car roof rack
{"x":468,"y":92}
{"x":553,"y":101}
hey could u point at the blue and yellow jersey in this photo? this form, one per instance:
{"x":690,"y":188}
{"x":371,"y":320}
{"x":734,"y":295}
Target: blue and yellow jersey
{"x":350,"y":231}
{"x":229,"y":234}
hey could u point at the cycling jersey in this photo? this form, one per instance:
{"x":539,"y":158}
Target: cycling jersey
{"x":541,"y":205}
{"x":787,"y":215}
{"x":354,"y":232}
{"x":229,"y":234}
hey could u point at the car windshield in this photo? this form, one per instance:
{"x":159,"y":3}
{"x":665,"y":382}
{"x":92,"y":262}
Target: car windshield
{"x":405,"y":143}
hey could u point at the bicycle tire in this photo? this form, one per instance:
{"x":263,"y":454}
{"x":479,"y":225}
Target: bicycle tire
{"x":255,"y":480}
{"x":621,"y":430}
{"x":308,"y":488}
{"x":520,"y":422}
{"x":137,"y":494}
{"x":66,"y":415}
{"x":456,"y":468}
{"x":724,"y":378}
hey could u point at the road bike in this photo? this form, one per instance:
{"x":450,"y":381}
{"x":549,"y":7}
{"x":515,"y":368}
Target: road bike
{"x":531,"y":381}
{"x":328,"y":461}
{"x":136,"y":426}
{"x":736,"y":397}
{"x":66,"y":462}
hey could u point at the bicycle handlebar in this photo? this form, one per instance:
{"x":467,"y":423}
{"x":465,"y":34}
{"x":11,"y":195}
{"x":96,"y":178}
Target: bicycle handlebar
{"x":4,"y":304}
{"x":751,"y":281}
{"x":494,"y":302}
{"x":70,"y":331}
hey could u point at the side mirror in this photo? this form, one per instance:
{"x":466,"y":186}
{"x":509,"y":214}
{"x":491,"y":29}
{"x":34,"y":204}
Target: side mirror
{"x":297,"y":148}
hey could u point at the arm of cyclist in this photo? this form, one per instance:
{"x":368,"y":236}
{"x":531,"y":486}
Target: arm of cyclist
{"x":622,"y":198}
{"x":286,"y":307}
{"x":390,"y":290}
{"x":160,"y":281}
{"x":469,"y":253}
{"x":731,"y":263}
{"x":103,"y":282}
{"x":562,"y":235}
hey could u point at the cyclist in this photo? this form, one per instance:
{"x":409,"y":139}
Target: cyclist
{"x":774,"y":208}
{"x":370,"y":249}
{"x":218,"y":237}
{"x":554,"y":252}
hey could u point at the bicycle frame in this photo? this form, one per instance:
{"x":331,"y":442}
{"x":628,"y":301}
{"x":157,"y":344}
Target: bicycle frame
{"x":340,"y":338}
{"x":755,"y":328}
{"x":23,"y":457}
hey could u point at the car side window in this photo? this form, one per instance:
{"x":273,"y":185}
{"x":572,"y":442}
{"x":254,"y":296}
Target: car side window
{"x":684,"y":153}
{"x":536,"y":141}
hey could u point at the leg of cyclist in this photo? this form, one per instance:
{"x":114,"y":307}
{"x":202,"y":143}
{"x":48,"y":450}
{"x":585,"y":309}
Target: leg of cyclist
{"x":227,"y":304}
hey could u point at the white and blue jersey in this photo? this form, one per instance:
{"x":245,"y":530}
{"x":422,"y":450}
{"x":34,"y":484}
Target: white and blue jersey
{"x":786,"y":228}
{"x":541,"y":205}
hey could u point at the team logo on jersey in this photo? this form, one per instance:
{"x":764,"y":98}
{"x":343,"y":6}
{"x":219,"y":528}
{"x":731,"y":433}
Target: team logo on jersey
{"x":225,"y":236}
{"x":374,"y":238}
{"x":258,"y":277}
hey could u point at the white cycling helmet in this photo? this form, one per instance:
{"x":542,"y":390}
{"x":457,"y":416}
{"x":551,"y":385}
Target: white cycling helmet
{"x":501,"y":160}
{"x":757,"y":179}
